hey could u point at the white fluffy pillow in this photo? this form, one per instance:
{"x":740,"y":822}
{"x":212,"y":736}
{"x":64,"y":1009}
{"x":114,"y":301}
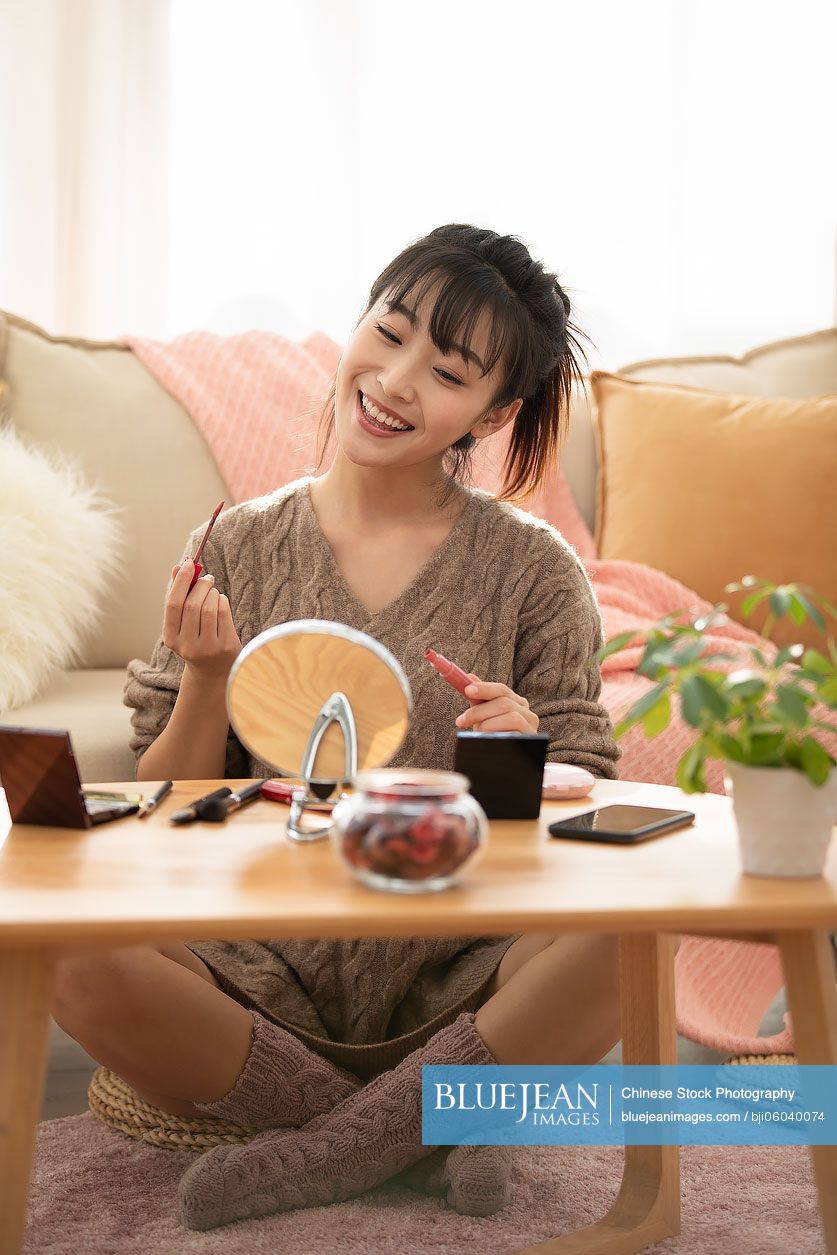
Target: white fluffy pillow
{"x":60,"y":544}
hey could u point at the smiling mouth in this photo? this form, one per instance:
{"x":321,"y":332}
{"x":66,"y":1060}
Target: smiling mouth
{"x":377,"y":418}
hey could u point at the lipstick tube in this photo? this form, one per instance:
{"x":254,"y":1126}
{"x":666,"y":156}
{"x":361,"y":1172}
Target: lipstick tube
{"x":454,"y":675}
{"x":198,"y":568}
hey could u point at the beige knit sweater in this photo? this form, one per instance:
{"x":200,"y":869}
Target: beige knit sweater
{"x":503,"y":596}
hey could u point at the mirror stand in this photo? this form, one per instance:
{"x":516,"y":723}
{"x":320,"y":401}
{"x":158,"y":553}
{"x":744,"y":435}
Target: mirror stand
{"x":335,"y":709}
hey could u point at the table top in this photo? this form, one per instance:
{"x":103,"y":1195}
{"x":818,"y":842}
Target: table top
{"x":135,"y":880}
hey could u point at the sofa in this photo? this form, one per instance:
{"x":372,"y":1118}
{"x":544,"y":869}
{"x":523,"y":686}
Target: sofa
{"x":98,"y":402}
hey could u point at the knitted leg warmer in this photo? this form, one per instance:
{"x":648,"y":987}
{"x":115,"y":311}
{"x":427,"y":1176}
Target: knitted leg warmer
{"x":365,"y":1140}
{"x":475,"y":1180}
{"x":283,"y":1084}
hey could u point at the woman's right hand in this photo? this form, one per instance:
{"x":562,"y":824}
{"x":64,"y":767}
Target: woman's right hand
{"x":198,"y":624}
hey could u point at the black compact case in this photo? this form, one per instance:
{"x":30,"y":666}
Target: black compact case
{"x":505,"y":770}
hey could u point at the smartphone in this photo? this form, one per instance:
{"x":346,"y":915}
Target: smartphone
{"x":621,"y":825}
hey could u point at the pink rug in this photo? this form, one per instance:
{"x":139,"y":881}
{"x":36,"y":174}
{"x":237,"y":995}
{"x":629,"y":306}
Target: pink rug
{"x":97,"y":1192}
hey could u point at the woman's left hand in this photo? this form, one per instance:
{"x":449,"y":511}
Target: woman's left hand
{"x":499,"y":709}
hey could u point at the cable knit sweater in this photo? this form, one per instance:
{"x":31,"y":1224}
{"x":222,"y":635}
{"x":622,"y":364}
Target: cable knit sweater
{"x":504,"y":596}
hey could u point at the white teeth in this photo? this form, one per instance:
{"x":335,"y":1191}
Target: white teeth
{"x":374,"y":412}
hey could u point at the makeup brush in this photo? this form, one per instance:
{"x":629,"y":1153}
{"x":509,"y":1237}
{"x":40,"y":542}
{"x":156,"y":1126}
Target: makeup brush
{"x":198,"y":568}
{"x":194,"y":810}
{"x":216,"y":809}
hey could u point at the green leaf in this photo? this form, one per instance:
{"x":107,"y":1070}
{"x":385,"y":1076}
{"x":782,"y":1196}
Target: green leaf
{"x":792,"y":704}
{"x":648,"y":701}
{"x":796,"y":609}
{"x":656,"y":656}
{"x":813,"y":660}
{"x":749,"y":604}
{"x":698,"y":697}
{"x":789,"y":654}
{"x":779,"y":602}
{"x":811,"y":610}
{"x":815,"y":760}
{"x":827,"y":692}
{"x":689,"y":774}
{"x":744,"y":684}
{"x":614,"y":645}
{"x":657,"y":718}
{"x":730,"y":747}
{"x":764,"y":749}
{"x":689,"y":652}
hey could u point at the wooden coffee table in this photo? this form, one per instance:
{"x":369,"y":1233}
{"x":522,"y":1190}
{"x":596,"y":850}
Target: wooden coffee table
{"x":133,"y":882}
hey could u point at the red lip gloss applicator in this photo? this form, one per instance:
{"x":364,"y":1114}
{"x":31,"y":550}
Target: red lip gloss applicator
{"x":198,"y":568}
{"x":454,"y":675}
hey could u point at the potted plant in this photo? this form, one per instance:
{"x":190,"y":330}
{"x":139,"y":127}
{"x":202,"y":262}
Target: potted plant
{"x":759,"y":719}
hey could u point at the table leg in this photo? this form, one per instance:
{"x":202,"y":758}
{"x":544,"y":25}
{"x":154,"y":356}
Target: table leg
{"x":26,"y":976}
{"x":808,"y":963}
{"x":647,"y":1208}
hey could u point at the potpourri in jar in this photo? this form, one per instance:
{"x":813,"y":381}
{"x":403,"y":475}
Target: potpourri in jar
{"x":410,"y":831}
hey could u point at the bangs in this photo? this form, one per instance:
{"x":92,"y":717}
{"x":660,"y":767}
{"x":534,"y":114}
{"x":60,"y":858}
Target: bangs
{"x":462,"y":290}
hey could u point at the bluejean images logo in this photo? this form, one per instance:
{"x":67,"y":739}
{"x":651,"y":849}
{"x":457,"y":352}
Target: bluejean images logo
{"x":611,"y":1105}
{"x":574,"y":1105}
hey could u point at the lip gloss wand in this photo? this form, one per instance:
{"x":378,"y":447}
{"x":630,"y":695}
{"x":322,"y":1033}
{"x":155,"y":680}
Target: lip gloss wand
{"x":454,"y":675}
{"x":198,"y":568}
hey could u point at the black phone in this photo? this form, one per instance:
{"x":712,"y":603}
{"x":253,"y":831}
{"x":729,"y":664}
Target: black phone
{"x":620,"y":824}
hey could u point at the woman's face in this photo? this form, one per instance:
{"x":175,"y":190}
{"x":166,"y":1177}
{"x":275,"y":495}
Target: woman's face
{"x":391,"y":363}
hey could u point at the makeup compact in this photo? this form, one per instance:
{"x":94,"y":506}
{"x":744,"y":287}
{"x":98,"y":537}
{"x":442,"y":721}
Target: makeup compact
{"x":563,"y":781}
{"x":505,"y":770}
{"x":41,"y":779}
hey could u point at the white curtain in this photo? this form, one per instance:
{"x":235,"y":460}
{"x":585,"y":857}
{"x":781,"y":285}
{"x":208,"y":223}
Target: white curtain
{"x":84,"y":199}
{"x":237,"y":163}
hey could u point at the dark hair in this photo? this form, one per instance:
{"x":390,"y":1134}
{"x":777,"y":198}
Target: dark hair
{"x":530,"y":333}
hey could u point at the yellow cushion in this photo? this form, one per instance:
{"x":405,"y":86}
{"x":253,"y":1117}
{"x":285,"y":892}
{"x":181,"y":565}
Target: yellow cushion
{"x":712,"y":486}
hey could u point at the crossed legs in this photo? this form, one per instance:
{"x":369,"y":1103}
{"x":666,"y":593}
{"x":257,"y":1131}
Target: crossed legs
{"x":156,"y":1016}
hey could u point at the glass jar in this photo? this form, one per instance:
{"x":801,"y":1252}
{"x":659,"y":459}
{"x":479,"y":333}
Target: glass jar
{"x":411,"y":831}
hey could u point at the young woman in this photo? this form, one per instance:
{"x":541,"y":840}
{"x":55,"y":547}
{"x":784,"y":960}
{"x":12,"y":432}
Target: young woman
{"x":310,"y":1041}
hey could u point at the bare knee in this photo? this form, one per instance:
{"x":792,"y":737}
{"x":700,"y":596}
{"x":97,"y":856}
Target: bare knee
{"x":90,"y":983}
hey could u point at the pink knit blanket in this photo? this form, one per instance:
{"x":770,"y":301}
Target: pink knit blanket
{"x":256,"y":398}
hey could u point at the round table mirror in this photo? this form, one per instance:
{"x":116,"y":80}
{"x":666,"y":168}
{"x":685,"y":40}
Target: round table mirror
{"x":318,"y":701}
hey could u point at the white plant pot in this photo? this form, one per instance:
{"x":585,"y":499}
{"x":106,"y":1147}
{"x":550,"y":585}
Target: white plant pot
{"x":784,"y":821}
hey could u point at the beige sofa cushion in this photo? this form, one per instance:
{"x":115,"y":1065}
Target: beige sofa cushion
{"x":89,"y":705}
{"x":710,"y":486}
{"x":804,"y":366}
{"x":135,"y":443}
